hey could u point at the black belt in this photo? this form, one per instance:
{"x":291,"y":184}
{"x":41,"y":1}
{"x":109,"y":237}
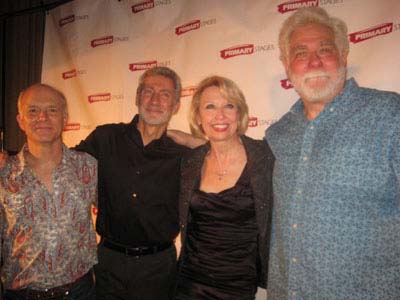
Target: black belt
{"x":51,"y":293}
{"x":135,"y":251}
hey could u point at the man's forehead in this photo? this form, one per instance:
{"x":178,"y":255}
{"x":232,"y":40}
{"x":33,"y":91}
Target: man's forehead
{"x":158,"y":80}
{"x":312,"y":29}
{"x":40,"y":95}
{"x":321,"y":43}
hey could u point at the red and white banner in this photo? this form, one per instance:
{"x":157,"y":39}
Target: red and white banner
{"x":96,"y":50}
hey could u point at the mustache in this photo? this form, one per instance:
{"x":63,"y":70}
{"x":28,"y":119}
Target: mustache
{"x":315,"y":74}
{"x":154,"y":108}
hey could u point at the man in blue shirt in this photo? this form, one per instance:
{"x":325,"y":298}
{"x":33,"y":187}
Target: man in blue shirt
{"x":336,"y":220}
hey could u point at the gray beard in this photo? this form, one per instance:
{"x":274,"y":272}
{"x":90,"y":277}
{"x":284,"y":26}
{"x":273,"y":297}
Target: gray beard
{"x":320,"y":94}
{"x":161,"y":120}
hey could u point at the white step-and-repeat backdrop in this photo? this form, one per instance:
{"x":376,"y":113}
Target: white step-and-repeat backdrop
{"x":95,"y":50}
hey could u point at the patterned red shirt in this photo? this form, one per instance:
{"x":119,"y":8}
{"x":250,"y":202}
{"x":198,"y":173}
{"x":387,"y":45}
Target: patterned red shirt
{"x":48,"y":238}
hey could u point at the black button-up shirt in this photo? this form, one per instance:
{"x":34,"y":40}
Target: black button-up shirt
{"x":138,"y":185}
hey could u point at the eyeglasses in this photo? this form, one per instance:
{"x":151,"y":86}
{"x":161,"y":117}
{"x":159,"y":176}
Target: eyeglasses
{"x":163,"y":95}
{"x":303,"y":53}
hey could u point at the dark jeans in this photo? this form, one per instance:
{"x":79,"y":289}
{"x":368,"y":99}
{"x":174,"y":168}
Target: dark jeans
{"x":123,"y":277}
{"x":82,"y":290}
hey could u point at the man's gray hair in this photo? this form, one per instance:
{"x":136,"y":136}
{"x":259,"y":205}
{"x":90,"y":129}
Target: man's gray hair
{"x":163,"y":71}
{"x":57,"y":92}
{"x":309,"y":15}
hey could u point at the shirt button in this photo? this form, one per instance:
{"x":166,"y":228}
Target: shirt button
{"x":134,"y":195}
{"x":294,"y":226}
{"x":311,"y":127}
{"x":305,"y":158}
{"x":183,"y":225}
{"x":137,"y":172}
{"x":294,"y":259}
{"x":298,"y":192}
{"x":331,"y":109}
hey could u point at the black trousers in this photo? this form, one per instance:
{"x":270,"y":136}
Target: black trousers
{"x":81,"y":290}
{"x":123,"y":277}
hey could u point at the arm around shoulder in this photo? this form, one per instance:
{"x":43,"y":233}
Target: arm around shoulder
{"x":185,"y":139}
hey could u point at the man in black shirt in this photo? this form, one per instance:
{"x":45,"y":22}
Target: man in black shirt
{"x":138,"y":194}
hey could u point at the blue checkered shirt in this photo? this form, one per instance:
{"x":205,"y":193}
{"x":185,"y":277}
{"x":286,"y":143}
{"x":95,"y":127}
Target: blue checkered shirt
{"x":336,"y":220}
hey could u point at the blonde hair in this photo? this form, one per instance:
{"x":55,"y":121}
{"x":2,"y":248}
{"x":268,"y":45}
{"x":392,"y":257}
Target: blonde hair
{"x":230,"y":91}
{"x":312,"y":15}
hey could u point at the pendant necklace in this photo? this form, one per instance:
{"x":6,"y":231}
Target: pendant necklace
{"x":220,"y":172}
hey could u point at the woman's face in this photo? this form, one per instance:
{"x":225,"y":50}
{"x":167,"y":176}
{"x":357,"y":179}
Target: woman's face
{"x":217,"y":116}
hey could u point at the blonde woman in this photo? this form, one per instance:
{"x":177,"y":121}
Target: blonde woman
{"x":225,"y":200}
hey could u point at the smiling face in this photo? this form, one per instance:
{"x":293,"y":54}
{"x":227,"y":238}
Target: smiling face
{"x":156,"y":100}
{"x":42,"y":115}
{"x":315,"y":66}
{"x":217,"y":116}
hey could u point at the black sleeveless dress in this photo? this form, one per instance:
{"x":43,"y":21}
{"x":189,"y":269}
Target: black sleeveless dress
{"x":220,"y":255}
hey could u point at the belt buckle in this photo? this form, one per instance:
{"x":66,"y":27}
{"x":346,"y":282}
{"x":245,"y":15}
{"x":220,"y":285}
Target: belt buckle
{"x":51,"y":293}
{"x":65,"y":294}
{"x":136,"y":251}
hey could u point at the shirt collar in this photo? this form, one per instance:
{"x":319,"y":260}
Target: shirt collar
{"x":66,"y":156}
{"x":134,"y":133}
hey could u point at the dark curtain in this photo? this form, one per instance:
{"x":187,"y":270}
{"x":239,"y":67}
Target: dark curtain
{"x":22,"y":37}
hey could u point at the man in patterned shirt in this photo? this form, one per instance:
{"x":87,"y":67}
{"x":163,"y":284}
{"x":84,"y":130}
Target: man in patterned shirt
{"x":336,"y":220}
{"x":46,"y":193}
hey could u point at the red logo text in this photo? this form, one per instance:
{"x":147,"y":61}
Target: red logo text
{"x":66,"y":20}
{"x":69,"y":74}
{"x":237,"y":50}
{"x":192,"y":25}
{"x":102,"y":41}
{"x":285,"y":83}
{"x":296,"y":4}
{"x":99,"y":97}
{"x":142,"y":6}
{"x":139,"y":66}
{"x":188,"y":91}
{"x":72,"y":126}
{"x":253,"y":121}
{"x":369,"y":33}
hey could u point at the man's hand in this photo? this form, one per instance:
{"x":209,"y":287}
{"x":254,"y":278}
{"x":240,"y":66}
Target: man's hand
{"x":3,"y":158}
{"x":184,"y":138}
